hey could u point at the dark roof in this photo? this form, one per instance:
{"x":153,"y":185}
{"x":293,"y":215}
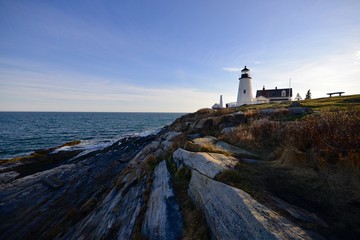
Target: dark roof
{"x":270,"y":93}
{"x":245,"y":69}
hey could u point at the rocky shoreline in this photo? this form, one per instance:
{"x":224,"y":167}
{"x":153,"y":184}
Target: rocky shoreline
{"x":125,"y":191}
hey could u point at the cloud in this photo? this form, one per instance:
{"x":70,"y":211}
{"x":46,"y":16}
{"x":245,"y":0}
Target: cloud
{"x":357,"y":58}
{"x":51,"y":90}
{"x":231,"y":69}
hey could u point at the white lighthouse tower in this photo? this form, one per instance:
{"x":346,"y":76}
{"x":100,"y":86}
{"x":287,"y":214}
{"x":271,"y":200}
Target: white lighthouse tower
{"x":245,"y":95}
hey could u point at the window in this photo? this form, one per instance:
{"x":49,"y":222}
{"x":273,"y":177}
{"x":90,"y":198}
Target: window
{"x":283,"y":93}
{"x":244,"y":90}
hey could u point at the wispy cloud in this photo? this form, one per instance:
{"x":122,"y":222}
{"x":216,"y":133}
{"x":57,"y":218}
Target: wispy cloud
{"x":231,"y":69}
{"x":29,"y":90}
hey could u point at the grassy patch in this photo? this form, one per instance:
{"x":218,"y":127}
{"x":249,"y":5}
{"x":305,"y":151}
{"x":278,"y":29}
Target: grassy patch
{"x":326,"y":104}
{"x":194,"y":221}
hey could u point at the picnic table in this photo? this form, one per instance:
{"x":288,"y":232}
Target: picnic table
{"x":335,"y":93}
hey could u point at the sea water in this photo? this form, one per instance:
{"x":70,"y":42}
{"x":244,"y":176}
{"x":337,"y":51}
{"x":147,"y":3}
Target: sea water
{"x":23,"y":132}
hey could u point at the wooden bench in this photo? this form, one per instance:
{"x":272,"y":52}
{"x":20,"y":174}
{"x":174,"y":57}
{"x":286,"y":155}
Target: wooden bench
{"x":335,"y":93}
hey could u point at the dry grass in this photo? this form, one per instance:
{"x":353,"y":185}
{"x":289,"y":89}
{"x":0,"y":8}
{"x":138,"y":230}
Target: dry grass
{"x":329,"y":137}
{"x":318,"y":166}
{"x":194,"y":221}
{"x":204,"y":147}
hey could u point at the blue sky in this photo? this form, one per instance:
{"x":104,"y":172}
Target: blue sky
{"x":171,"y":56}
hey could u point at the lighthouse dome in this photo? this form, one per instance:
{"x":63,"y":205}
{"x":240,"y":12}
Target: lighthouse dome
{"x":245,"y":69}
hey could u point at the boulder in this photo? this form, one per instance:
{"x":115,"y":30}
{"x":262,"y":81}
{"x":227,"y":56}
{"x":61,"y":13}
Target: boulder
{"x":233,"y":214}
{"x":168,"y":140}
{"x":208,"y":140}
{"x":209,"y":164}
{"x":228,"y":130}
{"x":299,"y":110}
{"x":204,"y":124}
{"x":162,"y":218}
{"x":234,"y":118}
{"x":271,"y":111}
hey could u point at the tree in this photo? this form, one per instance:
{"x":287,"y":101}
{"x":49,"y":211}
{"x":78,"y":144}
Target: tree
{"x":308,"y":95}
{"x":298,"y":97}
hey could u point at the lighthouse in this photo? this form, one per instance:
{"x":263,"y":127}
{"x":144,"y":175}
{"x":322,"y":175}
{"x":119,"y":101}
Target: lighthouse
{"x":245,"y":95}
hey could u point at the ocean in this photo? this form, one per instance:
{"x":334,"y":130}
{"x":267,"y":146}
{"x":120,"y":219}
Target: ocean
{"x":23,"y":132}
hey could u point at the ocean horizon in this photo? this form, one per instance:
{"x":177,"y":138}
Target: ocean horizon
{"x":23,"y":132}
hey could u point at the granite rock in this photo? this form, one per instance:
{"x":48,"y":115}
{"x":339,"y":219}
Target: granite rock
{"x":209,"y":164}
{"x":163,"y":218}
{"x":233,"y":214}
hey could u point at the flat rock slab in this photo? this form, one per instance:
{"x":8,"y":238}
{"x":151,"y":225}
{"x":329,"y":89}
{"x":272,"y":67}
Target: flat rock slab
{"x":8,"y":176}
{"x":222,"y":146}
{"x":226,"y":147}
{"x":163,"y":218}
{"x":205,"y":140}
{"x":233,"y":214}
{"x":298,"y":213}
{"x":209,"y":164}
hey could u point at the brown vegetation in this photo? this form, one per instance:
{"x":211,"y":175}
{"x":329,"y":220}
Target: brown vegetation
{"x":317,"y":162}
{"x":194,"y":221}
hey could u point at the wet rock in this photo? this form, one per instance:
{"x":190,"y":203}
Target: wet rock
{"x":233,"y":214}
{"x":209,"y":164}
{"x":8,"y":176}
{"x":163,"y":218}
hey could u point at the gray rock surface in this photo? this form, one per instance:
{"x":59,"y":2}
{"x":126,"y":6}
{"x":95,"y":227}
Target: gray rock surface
{"x":115,"y":216}
{"x":8,"y":176}
{"x":228,"y":130}
{"x":221,"y":146}
{"x":226,"y":147}
{"x":98,"y":195}
{"x":163,"y":218}
{"x":297,"y":212}
{"x":209,"y":164}
{"x":167,"y":142}
{"x":208,"y":140}
{"x":233,"y":214}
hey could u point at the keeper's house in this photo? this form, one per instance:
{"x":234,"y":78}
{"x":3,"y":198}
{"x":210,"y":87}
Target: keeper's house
{"x":274,"y":95}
